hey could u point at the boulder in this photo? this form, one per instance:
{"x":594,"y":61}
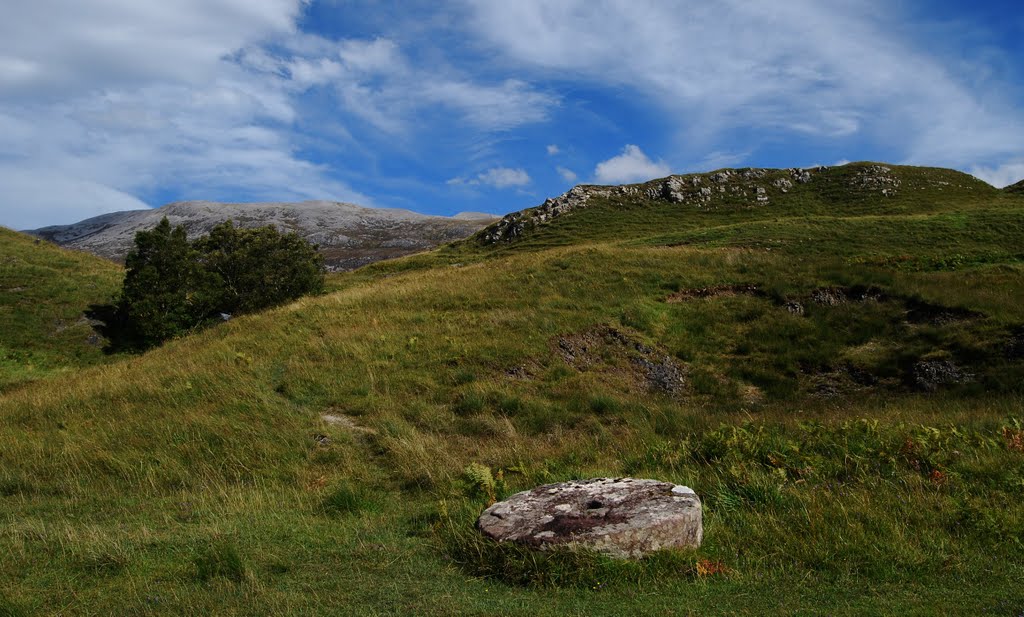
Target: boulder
{"x":621,"y":517}
{"x":931,"y":375}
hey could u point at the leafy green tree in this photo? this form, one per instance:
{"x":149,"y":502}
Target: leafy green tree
{"x":259,"y":268}
{"x":166,"y":291}
{"x":173,"y":286}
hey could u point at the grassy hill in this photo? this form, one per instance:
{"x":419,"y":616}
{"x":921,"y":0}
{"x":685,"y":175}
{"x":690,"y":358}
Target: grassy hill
{"x":837,"y":372}
{"x":44,"y":294}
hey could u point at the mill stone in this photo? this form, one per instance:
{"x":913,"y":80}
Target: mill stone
{"x":621,"y":517}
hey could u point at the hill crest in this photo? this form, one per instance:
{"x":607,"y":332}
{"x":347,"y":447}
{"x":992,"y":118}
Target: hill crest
{"x":750,"y":187}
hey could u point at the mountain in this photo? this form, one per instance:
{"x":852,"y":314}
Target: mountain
{"x":349,"y":235}
{"x":835,"y":364}
{"x":1015,"y":188}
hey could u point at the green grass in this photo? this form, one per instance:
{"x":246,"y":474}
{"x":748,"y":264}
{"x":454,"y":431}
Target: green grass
{"x":330,"y":456}
{"x":44,"y":294}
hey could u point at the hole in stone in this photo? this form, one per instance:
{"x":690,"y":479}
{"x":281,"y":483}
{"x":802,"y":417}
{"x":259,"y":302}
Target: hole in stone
{"x":594,"y":505}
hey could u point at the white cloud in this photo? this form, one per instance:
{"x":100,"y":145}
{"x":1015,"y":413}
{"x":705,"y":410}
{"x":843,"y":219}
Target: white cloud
{"x":506,"y":105}
{"x":999,"y":176}
{"x":819,"y":71}
{"x":375,"y":81}
{"x":69,"y":48}
{"x":553,"y":149}
{"x":630,"y":166}
{"x":567,"y":174}
{"x":127,"y":97}
{"x":207,"y":98}
{"x":48,"y":197}
{"x":497,"y":177}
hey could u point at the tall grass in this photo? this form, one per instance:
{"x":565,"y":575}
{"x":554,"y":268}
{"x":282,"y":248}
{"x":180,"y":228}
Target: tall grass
{"x":296,"y":461}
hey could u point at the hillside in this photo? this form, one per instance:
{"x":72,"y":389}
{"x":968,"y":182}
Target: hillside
{"x":837,"y":371}
{"x":349,"y":235}
{"x":45,"y":292}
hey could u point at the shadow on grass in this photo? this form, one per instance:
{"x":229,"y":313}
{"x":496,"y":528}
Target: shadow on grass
{"x":110,"y":323}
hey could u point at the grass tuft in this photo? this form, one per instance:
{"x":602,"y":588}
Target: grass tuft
{"x":221,"y":559}
{"x":346,"y":499}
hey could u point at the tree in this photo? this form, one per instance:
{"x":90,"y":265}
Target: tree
{"x":173,"y":286}
{"x":166,"y":291}
{"x":259,"y":268}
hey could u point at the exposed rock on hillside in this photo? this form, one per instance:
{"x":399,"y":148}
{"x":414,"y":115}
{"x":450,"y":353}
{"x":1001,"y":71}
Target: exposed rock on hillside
{"x":931,"y":375}
{"x":740,"y":188}
{"x":717,"y":291}
{"x":621,"y":517}
{"x":877,"y":178}
{"x":699,"y":190}
{"x":605,"y":348}
{"x":349,"y":235}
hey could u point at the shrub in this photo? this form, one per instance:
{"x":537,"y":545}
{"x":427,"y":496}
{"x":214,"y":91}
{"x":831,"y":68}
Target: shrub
{"x":252,"y":269}
{"x":173,"y":286}
{"x":166,"y":291}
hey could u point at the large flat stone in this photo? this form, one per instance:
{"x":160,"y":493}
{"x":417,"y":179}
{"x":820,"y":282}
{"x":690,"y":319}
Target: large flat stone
{"x":621,"y":517}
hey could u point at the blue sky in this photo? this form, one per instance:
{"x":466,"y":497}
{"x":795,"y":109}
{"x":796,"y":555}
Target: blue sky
{"x":484,"y":105}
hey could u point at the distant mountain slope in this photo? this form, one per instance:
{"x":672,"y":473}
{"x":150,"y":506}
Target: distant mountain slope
{"x":44,"y":293}
{"x":1016,"y":188}
{"x":349,"y":235}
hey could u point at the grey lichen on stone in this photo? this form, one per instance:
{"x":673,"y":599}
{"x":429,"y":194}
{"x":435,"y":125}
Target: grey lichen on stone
{"x":620,"y":517}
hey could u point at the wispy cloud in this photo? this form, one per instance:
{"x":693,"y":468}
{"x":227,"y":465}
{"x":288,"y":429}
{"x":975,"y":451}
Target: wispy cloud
{"x":727,"y":70}
{"x":210,"y":100}
{"x":497,"y":177}
{"x":128,"y":99}
{"x":374,"y":80}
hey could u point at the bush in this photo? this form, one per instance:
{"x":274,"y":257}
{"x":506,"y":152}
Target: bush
{"x":166,"y":290}
{"x":252,"y":269}
{"x":173,"y":286}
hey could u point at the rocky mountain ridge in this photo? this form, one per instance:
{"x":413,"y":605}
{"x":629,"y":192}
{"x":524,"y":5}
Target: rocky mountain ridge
{"x":349,"y":235}
{"x":745,"y":187}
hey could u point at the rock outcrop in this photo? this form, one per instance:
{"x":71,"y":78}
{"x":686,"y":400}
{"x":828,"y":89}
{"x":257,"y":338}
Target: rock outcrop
{"x":742,"y":188}
{"x":932,"y":375}
{"x":606,"y":348}
{"x":751,"y":187}
{"x":878,"y":178}
{"x":621,"y":517}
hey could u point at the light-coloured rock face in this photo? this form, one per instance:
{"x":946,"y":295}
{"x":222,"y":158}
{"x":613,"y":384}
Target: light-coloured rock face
{"x":349,"y":235}
{"x":701,"y":191}
{"x":621,"y":517}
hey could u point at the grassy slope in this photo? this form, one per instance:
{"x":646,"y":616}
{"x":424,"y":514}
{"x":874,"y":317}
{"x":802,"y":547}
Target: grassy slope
{"x":44,"y":291}
{"x":202,"y":477}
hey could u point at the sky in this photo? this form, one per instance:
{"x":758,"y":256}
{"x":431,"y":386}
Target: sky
{"x":444,"y":106}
